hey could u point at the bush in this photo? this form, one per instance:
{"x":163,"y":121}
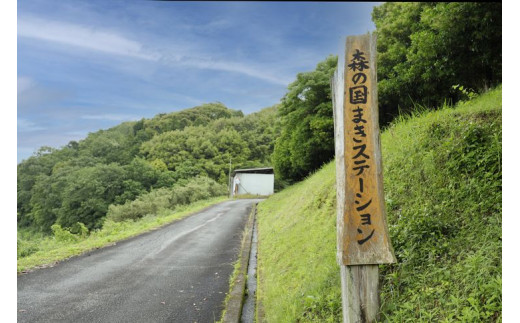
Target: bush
{"x":63,"y":235}
{"x":79,"y":229}
{"x":149,"y":203}
{"x":200,"y":188}
{"x":25,"y":248}
{"x":163,"y":199}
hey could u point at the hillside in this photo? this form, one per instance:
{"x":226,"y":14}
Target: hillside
{"x":111,"y":168}
{"x":443,"y":190}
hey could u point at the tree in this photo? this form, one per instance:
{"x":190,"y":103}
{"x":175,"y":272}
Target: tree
{"x":88,"y":193}
{"x":196,"y":116}
{"x":307,"y":128}
{"x":424,"y":49}
{"x":114,"y":145}
{"x":78,"y":182}
{"x":34,"y":170}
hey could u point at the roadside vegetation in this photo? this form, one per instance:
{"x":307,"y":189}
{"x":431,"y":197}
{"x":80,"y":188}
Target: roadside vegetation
{"x":40,"y":250}
{"x":443,"y":191}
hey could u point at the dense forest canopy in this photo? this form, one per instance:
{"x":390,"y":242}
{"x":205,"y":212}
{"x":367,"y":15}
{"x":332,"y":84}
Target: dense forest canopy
{"x":426,"y":48}
{"x":79,"y":182}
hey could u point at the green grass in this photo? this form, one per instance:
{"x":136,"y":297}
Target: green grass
{"x":250,"y":196}
{"x":442,"y":178}
{"x":296,"y":251}
{"x":36,"y":250}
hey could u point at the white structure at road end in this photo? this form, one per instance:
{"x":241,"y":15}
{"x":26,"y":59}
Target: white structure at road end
{"x":254,"y":181}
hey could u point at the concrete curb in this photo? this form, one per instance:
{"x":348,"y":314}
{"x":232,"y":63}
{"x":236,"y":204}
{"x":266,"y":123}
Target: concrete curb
{"x":233,"y":307}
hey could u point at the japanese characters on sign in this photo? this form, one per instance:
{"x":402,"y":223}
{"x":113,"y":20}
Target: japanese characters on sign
{"x":365,"y":236}
{"x":358,"y":98}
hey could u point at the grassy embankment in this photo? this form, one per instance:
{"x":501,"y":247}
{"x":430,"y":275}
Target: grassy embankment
{"x":38,"y":250}
{"x":443,"y":190}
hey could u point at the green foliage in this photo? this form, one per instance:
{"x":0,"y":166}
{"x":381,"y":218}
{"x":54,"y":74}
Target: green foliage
{"x":443,"y":191}
{"x":78,"y":182}
{"x":467,"y":94}
{"x":37,"y":249}
{"x":115,"y":145}
{"x":447,"y":233}
{"x":38,"y":166}
{"x":62,"y":235}
{"x":166,"y":199}
{"x":306,"y":140}
{"x":207,"y":150}
{"x":148,"y":203}
{"x":25,"y":248}
{"x":80,"y":229}
{"x":88,"y":194}
{"x":46,"y":198}
{"x":76,"y":233}
{"x":425,"y":48}
{"x":197,"y":116}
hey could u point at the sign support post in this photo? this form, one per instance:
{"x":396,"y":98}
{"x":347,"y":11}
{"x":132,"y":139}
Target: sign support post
{"x":363,"y":241}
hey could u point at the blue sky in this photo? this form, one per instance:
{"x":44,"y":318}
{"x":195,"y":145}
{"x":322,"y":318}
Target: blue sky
{"x":89,"y":65}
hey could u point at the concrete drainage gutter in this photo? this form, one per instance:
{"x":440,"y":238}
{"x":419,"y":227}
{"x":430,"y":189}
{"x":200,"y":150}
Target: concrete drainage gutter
{"x":240,"y":306}
{"x":248,"y":309}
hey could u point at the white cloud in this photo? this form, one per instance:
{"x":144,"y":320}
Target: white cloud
{"x":81,"y":36}
{"x":112,"y":117}
{"x":25,"y":125}
{"x":208,"y":63}
{"x":238,"y":67}
{"x":111,"y":42}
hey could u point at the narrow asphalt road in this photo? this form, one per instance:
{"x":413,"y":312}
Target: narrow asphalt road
{"x":179,"y":273}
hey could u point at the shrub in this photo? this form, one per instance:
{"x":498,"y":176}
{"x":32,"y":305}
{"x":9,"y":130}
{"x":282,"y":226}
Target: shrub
{"x":79,"y":229}
{"x":62,"y":235}
{"x":157,"y":201}
{"x":149,"y":203}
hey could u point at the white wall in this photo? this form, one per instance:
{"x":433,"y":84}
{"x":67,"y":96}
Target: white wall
{"x":257,"y":184}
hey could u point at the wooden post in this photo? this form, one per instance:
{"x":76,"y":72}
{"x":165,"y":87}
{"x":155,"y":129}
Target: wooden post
{"x":363,"y":240}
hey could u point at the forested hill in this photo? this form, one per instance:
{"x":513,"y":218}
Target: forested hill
{"x":79,"y":182}
{"x":430,"y":54}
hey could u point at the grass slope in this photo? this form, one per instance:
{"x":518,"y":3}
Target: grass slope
{"x":442,"y":177}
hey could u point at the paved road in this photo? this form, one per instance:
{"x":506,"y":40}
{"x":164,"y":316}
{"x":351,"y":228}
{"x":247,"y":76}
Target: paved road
{"x":177,"y":274}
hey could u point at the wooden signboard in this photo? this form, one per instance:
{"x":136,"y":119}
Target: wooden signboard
{"x":363,"y":240}
{"x":363,"y":233}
